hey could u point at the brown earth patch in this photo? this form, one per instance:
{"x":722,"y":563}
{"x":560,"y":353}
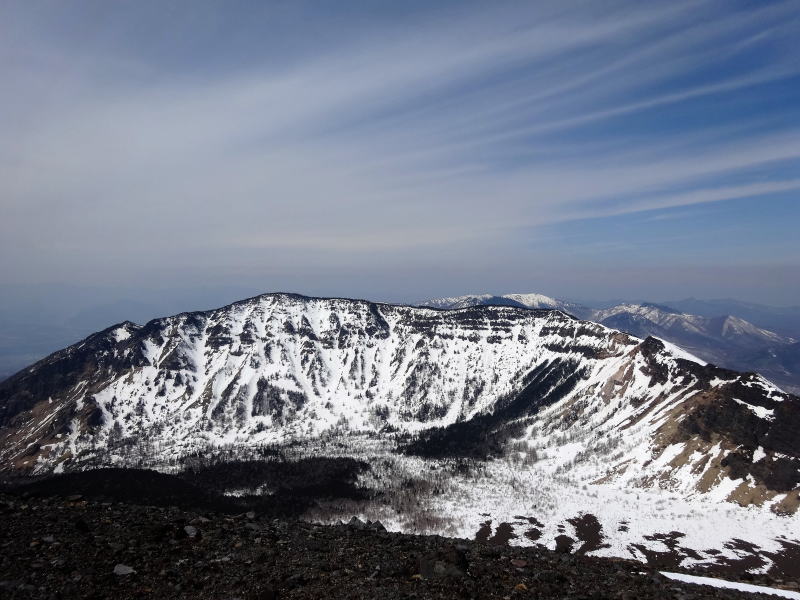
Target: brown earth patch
{"x":789,"y":505}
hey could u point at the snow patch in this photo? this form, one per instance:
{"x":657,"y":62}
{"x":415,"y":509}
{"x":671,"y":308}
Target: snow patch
{"x":679,"y":352}
{"x":759,"y":411}
{"x":730,"y":585}
{"x":121,"y":334}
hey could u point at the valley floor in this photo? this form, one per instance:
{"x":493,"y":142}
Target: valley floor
{"x":552,"y":503}
{"x":532,"y":507}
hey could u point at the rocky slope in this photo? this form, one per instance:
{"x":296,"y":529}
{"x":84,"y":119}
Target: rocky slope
{"x":72,"y":546}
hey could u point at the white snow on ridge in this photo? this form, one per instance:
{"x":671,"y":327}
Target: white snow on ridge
{"x":681,"y":353}
{"x":121,"y":334}
{"x":527,"y":300}
{"x":733,"y":326}
{"x":457,"y":301}
{"x":759,"y":411}
{"x":730,"y":585}
{"x":535,"y":300}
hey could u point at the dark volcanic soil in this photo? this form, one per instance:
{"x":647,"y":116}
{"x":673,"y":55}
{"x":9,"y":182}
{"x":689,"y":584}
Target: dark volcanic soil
{"x":70,"y":547}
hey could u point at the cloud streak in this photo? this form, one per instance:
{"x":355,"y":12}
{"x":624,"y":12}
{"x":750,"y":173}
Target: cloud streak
{"x":445,"y":134}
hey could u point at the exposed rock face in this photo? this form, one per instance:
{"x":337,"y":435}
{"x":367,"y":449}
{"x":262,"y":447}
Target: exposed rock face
{"x":282,"y":367}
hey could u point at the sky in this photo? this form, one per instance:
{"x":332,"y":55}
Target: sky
{"x":399,"y":150}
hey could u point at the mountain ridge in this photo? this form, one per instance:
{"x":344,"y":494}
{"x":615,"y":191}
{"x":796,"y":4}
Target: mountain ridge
{"x":281,"y":366}
{"x":727,"y":340}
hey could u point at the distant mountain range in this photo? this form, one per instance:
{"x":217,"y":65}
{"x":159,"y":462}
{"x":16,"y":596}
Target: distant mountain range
{"x":722,"y":339}
{"x":782,"y":319}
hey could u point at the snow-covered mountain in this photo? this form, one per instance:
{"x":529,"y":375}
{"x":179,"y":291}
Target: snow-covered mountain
{"x":518,"y":300}
{"x":282,"y":367}
{"x":725,"y":340}
{"x":784,"y":320}
{"x":646,"y":317}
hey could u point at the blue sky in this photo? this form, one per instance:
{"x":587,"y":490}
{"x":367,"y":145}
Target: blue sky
{"x":403,"y":150}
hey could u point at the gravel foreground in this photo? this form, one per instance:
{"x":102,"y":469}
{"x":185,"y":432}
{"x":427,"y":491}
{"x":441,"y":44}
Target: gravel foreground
{"x":57,"y":547}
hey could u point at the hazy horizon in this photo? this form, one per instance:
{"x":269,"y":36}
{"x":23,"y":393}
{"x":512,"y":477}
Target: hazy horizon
{"x":400,"y":152}
{"x":38,"y":319}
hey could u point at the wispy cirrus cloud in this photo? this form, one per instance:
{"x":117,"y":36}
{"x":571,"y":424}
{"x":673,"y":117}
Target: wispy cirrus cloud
{"x":436,"y":131}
